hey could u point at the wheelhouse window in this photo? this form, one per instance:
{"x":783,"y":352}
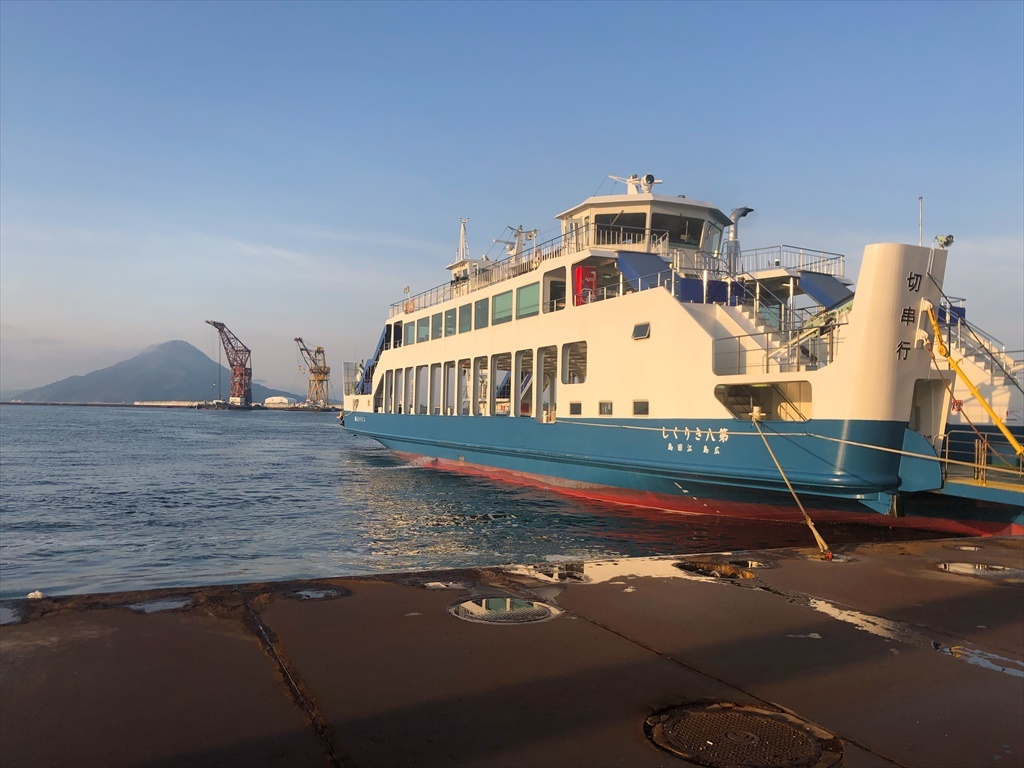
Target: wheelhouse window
{"x":465,"y":318}
{"x":528,"y":301}
{"x":621,"y":228}
{"x":712,"y":239}
{"x":682,"y":230}
{"x":501,"y":308}
{"x":480,"y":317}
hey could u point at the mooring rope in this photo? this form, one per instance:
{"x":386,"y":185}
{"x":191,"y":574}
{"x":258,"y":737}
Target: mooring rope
{"x":825,"y":551}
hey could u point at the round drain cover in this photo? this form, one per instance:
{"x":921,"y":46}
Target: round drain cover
{"x":502,"y":610}
{"x":723,"y":735}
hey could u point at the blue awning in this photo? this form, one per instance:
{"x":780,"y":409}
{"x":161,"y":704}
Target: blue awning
{"x":824,"y":289}
{"x":648,"y":266}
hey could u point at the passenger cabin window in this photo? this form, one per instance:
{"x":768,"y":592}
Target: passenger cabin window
{"x":436,"y":326}
{"x":480,"y":314}
{"x":528,"y":300}
{"x":604,"y":408}
{"x":641,"y":408}
{"x":501,"y":308}
{"x":409,"y":334}
{"x":574,"y":362}
{"x":575,"y":409}
{"x":554,"y":290}
{"x":422,"y":330}
{"x":465,"y":318}
{"x":641,"y":331}
{"x":450,"y":326}
{"x":682,"y":230}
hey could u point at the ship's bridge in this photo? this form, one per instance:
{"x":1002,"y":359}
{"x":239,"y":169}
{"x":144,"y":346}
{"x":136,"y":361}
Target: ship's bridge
{"x":674,"y":226}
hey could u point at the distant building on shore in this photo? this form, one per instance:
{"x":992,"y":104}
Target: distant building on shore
{"x":279,"y":401}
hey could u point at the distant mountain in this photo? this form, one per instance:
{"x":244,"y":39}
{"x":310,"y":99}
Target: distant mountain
{"x":174,"y":370}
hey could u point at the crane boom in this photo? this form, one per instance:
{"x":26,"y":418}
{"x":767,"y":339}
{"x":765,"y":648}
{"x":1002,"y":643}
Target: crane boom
{"x":319,"y":374}
{"x":238,"y":358}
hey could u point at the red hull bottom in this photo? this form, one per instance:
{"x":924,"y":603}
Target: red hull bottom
{"x":769,"y":511}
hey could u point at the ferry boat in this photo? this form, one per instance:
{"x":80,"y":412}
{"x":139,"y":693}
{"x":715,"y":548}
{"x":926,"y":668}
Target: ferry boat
{"x":641,"y":357}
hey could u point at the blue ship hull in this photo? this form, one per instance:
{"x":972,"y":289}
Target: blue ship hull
{"x":704,"y":466}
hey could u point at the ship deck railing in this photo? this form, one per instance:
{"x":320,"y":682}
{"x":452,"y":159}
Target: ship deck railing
{"x":762,"y":352}
{"x":971,"y":340}
{"x":985,"y":458}
{"x":680,"y":257}
{"x":791,"y":257}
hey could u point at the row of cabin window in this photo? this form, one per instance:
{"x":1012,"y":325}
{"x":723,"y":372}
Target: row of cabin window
{"x":604,"y":408}
{"x":474,"y":315}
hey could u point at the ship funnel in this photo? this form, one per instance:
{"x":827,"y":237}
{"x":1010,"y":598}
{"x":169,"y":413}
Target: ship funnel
{"x":733,"y":243}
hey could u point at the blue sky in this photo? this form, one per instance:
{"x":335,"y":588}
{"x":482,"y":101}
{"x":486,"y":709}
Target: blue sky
{"x":288,"y":168}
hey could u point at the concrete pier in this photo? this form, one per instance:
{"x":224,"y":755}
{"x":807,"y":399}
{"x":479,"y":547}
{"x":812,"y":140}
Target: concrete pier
{"x":908,"y":654}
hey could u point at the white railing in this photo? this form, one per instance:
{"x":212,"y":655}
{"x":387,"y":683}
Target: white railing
{"x":761,"y":353}
{"x":489,"y":273}
{"x":791,"y":257}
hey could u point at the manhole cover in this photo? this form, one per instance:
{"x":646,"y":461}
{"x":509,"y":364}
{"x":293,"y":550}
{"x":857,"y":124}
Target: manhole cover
{"x":723,"y":735}
{"x":503,"y":610}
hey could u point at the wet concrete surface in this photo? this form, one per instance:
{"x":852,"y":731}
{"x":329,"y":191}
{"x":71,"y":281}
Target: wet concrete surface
{"x":907,"y":663}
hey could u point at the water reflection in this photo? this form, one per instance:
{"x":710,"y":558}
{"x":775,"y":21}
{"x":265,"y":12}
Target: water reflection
{"x":106,"y":499}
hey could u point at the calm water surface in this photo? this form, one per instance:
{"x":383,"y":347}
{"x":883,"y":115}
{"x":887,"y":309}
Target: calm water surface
{"x":107,"y":499}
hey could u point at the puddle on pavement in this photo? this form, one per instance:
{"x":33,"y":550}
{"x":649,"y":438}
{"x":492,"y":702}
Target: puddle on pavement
{"x":9,"y":614}
{"x":983,"y":569}
{"x":603,"y":571}
{"x":166,"y":604}
{"x":315,"y":594}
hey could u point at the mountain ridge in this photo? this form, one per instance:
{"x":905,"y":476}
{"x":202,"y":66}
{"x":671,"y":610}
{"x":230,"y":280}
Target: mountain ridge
{"x":173,"y":370}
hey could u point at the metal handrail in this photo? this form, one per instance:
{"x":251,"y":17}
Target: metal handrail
{"x":730,"y":356}
{"x":791,"y":257}
{"x":577,"y":239}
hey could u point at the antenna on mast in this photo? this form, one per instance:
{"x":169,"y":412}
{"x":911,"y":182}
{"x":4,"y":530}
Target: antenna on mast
{"x":463,"y":253}
{"x":637,"y":184}
{"x":920,"y":221}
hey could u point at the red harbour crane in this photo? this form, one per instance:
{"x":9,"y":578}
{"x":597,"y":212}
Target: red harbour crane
{"x":319,"y":374}
{"x":238,"y":358}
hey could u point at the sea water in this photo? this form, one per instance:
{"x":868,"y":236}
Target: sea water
{"x":99,"y":499}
